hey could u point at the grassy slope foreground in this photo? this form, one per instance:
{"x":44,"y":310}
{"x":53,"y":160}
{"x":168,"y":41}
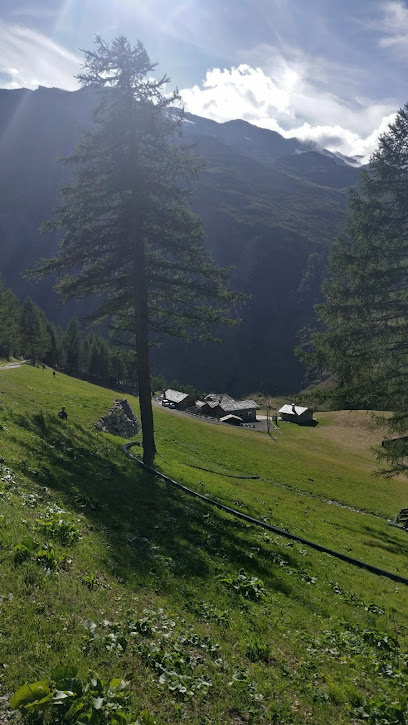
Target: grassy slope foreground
{"x":209,"y":619}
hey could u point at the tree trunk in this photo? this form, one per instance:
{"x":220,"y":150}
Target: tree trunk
{"x":142,"y":341}
{"x":143,"y":371}
{"x":141,"y":308}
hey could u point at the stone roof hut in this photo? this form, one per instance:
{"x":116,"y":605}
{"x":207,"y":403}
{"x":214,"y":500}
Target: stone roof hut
{"x":296,"y":414}
{"x":180,"y":400}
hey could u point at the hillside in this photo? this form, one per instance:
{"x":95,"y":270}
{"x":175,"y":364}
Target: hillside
{"x":210,"y":619}
{"x":271,"y":208}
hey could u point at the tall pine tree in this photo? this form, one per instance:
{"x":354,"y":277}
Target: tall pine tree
{"x":34,"y":337}
{"x":99,"y":361}
{"x":71,"y":345}
{"x":9,"y":323}
{"x":364,"y":342}
{"x":129,"y":234}
{"x":53,"y":354}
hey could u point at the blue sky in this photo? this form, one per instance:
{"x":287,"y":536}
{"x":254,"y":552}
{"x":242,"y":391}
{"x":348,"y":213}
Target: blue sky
{"x":330,"y":70}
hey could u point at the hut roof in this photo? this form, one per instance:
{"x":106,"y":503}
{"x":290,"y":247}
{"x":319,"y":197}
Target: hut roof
{"x":212,"y":403}
{"x":289,"y":410}
{"x":217,"y":397}
{"x":175,"y":396}
{"x":228,"y":404}
{"x":230,"y":418}
{"x":231,"y":405}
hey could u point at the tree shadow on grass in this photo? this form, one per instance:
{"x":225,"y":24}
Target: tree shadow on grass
{"x":150,"y":527}
{"x":390,"y":542}
{"x":393,"y":541}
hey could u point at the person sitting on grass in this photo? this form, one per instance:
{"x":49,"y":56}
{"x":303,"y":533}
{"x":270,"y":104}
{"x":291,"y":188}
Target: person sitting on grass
{"x":63,"y":413}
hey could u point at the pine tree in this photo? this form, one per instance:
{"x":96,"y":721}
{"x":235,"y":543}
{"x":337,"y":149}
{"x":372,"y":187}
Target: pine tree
{"x":53,"y":355}
{"x":129,"y":233}
{"x":71,"y":344}
{"x":364,"y":343}
{"x":33,"y":333}
{"x":9,"y":323}
{"x":99,"y":361}
{"x":93,"y":359}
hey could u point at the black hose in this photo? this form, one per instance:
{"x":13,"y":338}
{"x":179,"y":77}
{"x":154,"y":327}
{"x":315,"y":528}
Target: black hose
{"x":228,"y":475}
{"x":281,"y":532}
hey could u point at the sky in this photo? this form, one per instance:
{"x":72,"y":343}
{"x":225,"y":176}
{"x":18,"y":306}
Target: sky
{"x":334,"y":71}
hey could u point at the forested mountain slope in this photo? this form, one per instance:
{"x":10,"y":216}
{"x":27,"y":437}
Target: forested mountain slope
{"x":271,"y":207}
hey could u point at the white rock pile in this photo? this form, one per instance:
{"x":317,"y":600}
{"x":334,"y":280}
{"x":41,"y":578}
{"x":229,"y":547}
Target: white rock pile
{"x":120,"y":420}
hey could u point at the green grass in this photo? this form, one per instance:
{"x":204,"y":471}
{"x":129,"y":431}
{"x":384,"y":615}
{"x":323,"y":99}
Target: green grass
{"x":325,"y":639}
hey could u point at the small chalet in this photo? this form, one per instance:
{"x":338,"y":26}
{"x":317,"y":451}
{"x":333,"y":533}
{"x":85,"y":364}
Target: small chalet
{"x":296,"y":414}
{"x":245,"y":409}
{"x":180,"y":400}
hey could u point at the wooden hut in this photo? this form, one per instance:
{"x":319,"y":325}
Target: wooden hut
{"x":296,"y":414}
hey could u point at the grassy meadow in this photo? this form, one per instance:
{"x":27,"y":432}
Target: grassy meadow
{"x":209,"y":619}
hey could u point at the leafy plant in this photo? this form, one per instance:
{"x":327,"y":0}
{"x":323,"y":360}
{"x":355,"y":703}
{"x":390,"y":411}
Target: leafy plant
{"x":209,"y":612}
{"x":182,"y":662}
{"x":47,"y":557}
{"x":26,"y":550}
{"x":249,"y":587}
{"x":29,"y":549}
{"x":58,"y":528}
{"x":380,"y":712}
{"x":65,"y":698}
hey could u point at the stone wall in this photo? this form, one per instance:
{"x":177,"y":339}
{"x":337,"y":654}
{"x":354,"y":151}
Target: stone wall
{"x":120,"y":420}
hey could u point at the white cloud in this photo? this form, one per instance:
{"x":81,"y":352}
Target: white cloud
{"x":394,"y":27}
{"x":337,"y":138}
{"x":292,"y":102}
{"x":30,"y":59}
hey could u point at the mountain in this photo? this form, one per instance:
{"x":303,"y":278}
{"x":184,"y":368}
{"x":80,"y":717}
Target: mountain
{"x":271,"y":208}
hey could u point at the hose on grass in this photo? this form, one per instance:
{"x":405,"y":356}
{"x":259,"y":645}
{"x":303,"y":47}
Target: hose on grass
{"x":219,"y":473}
{"x":250,"y":519}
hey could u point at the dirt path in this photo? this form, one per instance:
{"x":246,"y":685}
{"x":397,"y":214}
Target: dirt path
{"x":12,"y":365}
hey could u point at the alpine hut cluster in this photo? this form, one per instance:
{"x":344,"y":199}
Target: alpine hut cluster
{"x":222,"y":407}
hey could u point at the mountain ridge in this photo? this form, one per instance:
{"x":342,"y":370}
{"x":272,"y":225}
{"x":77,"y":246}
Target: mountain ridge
{"x":291,"y":145}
